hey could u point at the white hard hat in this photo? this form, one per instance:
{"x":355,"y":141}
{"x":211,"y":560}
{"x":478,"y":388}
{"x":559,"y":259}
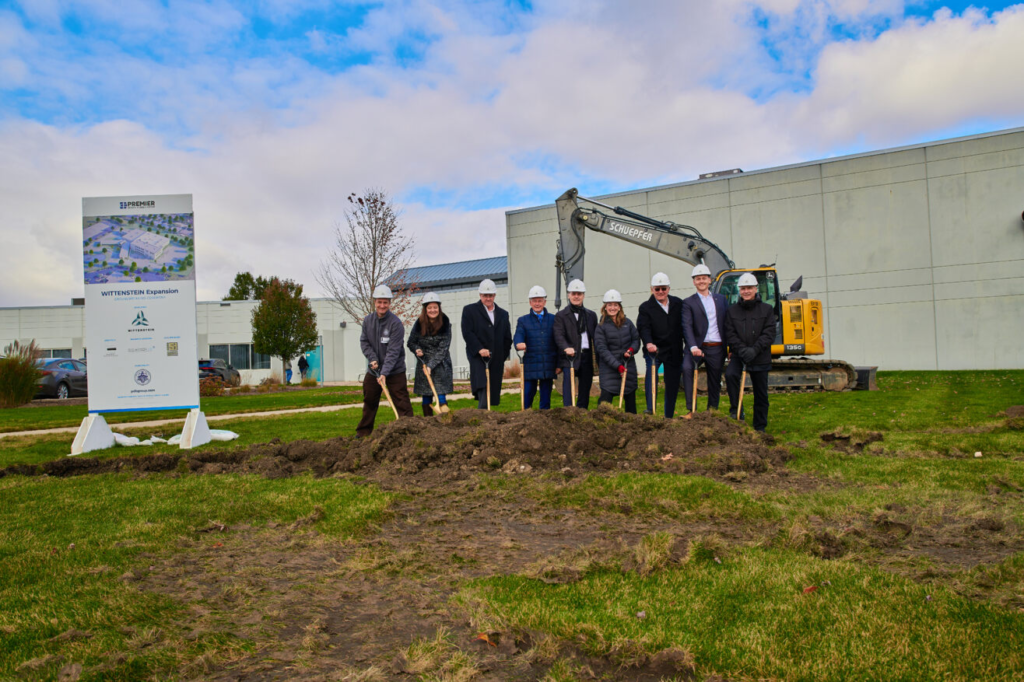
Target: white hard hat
{"x":430,"y":297}
{"x":612,"y":296}
{"x":660,"y":279}
{"x":487,"y":287}
{"x":748,"y":280}
{"x":537,"y":292}
{"x":701,"y":269}
{"x":382,"y":291}
{"x":576,"y":286}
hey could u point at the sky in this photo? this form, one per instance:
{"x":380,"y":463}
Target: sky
{"x":271,"y":112}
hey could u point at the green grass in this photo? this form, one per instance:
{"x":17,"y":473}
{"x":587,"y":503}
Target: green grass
{"x":47,"y":588}
{"x":672,"y":495}
{"x":55,"y":416}
{"x":750,"y":618}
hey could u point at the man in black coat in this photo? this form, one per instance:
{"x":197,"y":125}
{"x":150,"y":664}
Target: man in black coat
{"x":574,"y":339}
{"x":488,"y":335}
{"x":660,"y":323}
{"x":704,"y":334}
{"x":749,"y":331}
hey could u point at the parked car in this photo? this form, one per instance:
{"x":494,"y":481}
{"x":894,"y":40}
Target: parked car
{"x":62,"y":378}
{"x":221,"y":370}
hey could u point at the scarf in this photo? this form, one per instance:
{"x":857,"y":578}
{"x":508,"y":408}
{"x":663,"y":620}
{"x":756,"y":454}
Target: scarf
{"x":581,"y":321}
{"x":749,"y":305}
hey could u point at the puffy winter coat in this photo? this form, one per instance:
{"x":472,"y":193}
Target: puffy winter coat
{"x":436,"y":356}
{"x":611,"y":342}
{"x":539,"y":336}
{"x":750,"y":330}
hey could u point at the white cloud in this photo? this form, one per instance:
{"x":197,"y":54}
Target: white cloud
{"x":598,"y":91}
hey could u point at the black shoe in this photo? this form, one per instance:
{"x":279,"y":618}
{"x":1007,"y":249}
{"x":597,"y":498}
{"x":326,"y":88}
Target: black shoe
{"x":648,"y":411}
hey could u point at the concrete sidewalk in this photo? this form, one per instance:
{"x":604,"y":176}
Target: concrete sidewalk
{"x":225,"y":417}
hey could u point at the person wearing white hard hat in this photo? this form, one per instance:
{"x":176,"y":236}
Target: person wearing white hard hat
{"x":381,"y":343}
{"x":535,"y":337}
{"x":574,"y":337}
{"x":617,"y":342}
{"x":430,"y":341}
{"x":488,"y":336}
{"x":749,"y":331}
{"x":704,"y":336}
{"x":660,"y":323}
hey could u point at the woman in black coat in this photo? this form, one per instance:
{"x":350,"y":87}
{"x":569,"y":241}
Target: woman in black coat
{"x":616,"y":341}
{"x":430,"y":339}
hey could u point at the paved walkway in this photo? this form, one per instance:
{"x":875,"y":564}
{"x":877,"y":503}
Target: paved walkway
{"x":223,"y":417}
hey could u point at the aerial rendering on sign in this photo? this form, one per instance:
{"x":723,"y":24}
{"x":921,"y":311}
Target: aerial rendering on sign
{"x":138,"y":248}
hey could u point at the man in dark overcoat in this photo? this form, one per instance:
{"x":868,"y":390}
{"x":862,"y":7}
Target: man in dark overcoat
{"x":488,"y":335}
{"x":574,"y":340}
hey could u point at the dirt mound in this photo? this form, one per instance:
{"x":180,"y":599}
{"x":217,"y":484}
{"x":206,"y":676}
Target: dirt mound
{"x":455,"y":445}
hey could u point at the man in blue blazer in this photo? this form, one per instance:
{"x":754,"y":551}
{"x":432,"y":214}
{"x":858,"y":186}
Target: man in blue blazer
{"x":704,"y":334}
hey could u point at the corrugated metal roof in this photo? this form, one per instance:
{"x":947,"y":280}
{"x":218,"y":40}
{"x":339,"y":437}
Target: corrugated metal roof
{"x":468,"y":271}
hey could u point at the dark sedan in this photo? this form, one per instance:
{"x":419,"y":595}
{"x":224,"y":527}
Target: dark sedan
{"x":62,"y":378}
{"x":219,"y":369}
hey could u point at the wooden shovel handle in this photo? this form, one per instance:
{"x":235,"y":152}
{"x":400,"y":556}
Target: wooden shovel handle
{"x":387,"y":396}
{"x":426,"y":373}
{"x":743,"y":387}
{"x":622,"y":391}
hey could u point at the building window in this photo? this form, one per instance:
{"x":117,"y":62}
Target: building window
{"x":56,"y":353}
{"x":239,"y":356}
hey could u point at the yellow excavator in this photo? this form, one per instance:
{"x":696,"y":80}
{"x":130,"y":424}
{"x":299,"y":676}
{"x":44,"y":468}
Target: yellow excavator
{"x":801,"y":321}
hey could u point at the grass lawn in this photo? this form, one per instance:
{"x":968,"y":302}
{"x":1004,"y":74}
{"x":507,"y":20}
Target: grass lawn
{"x":875,"y":613}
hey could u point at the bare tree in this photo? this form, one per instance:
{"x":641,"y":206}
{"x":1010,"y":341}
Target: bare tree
{"x":370,"y":249}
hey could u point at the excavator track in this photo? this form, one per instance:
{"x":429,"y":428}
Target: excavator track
{"x":805,"y":375}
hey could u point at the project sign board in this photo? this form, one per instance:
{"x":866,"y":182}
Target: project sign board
{"x":140,"y":303}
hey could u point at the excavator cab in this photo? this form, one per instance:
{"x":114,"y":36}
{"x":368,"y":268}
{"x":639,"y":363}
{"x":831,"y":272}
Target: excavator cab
{"x":799,"y":319}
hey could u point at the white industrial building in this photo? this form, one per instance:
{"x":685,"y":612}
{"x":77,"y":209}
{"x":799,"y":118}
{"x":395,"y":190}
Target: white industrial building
{"x":917,"y":253}
{"x":225,"y":330}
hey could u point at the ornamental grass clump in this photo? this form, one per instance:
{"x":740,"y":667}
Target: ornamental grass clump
{"x":18,"y":374}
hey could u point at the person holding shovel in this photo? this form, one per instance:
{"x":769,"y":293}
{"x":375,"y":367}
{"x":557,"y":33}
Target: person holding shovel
{"x":704,"y":333}
{"x":660,"y":323}
{"x":616,"y":341}
{"x":430,"y":340}
{"x":749,"y":331}
{"x":574,"y":335}
{"x":488,"y":336}
{"x":381,"y":343}
{"x":535,"y":335}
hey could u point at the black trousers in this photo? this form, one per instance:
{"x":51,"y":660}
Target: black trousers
{"x":584,"y":380}
{"x":713,"y":360}
{"x":671,"y":393}
{"x":399,"y":390}
{"x":758,"y":379}
{"x":630,"y":397}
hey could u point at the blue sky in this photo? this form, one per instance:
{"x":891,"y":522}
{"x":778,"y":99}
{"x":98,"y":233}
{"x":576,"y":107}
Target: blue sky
{"x":270,"y":112}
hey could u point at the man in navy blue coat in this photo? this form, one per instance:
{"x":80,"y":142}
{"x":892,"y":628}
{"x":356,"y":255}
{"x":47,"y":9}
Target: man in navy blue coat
{"x":535,"y":336}
{"x":704,"y":334}
{"x":488,"y":335}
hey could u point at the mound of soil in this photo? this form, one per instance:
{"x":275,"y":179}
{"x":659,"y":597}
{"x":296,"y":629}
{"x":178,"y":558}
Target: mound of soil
{"x":460,"y":443}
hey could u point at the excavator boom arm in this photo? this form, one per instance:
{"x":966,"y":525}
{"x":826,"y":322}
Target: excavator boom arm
{"x":679,"y":241}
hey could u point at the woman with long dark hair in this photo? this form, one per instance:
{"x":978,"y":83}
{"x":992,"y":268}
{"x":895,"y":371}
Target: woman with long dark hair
{"x":616,"y":341}
{"x":430,"y":340}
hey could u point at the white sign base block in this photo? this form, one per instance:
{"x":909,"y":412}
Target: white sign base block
{"x":94,"y":434}
{"x":196,"y":432}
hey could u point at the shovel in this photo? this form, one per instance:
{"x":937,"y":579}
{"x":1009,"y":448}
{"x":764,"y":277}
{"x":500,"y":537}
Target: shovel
{"x":743,"y":387}
{"x":654,"y":387}
{"x":437,"y":400}
{"x":387,"y":393}
{"x":622,"y":391}
{"x":693,"y":408}
{"x":487,"y":372}
{"x":572,"y":383}
{"x":522,"y":383}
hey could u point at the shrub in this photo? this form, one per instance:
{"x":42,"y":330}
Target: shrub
{"x":513,"y":371}
{"x":273,"y":381}
{"x":18,"y":374}
{"x":211,"y":386}
{"x":309,"y":382}
{"x":242,"y":388}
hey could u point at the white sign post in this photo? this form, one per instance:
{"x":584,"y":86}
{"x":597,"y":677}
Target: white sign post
{"x":140,"y":313}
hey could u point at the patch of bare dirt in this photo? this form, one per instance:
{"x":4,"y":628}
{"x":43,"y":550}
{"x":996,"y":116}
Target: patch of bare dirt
{"x":461,"y":443}
{"x":317,"y":609}
{"x":850,"y":440}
